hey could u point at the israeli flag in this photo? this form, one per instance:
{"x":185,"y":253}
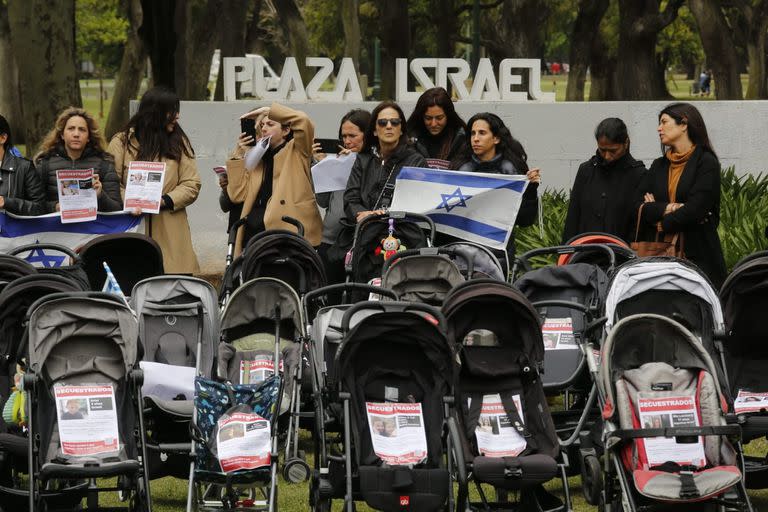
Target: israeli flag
{"x":473,"y":206}
{"x":16,"y":231}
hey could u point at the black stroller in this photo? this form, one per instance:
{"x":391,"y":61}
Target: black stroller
{"x":12,"y":268}
{"x":84,"y":406}
{"x":55,"y":259}
{"x":745,"y":296}
{"x":179,"y":331}
{"x":668,"y":441}
{"x":425,"y":275}
{"x":503,"y":434}
{"x":392,"y":379}
{"x":131,"y":257}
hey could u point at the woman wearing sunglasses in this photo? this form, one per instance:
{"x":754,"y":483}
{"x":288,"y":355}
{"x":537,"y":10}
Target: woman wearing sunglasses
{"x":386,"y":151}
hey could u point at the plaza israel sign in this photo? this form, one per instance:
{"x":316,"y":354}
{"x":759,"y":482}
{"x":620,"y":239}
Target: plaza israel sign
{"x":486,"y":86}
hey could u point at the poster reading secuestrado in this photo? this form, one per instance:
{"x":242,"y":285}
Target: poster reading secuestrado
{"x":144,"y":186}
{"x":255,"y":371}
{"x":496,"y":436}
{"x":77,"y":197}
{"x":243,"y":441}
{"x":87,"y":419}
{"x":665,"y":412}
{"x":397,"y":432}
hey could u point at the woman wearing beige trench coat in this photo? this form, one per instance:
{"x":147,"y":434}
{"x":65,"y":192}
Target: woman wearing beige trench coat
{"x":292,"y":192}
{"x":153,"y":134}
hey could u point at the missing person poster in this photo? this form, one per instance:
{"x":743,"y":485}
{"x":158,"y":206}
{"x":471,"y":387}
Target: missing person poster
{"x":77,"y":197}
{"x":558,"y":334}
{"x":243,"y":441}
{"x":87,"y":419}
{"x":665,"y":412}
{"x":144,"y":186}
{"x":397,"y":432}
{"x":256,"y":371}
{"x":749,"y":401}
{"x":496,"y":436}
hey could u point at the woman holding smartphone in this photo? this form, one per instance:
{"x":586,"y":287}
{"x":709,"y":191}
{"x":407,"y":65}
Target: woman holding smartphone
{"x":154,"y":135}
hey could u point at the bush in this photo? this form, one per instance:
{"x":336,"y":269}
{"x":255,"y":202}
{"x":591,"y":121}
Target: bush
{"x":554,"y":207}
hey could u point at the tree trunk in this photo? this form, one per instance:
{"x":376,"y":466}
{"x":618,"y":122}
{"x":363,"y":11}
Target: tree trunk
{"x":602,"y":71}
{"x":292,"y":22}
{"x":446,"y":22}
{"x":519,"y":32}
{"x":45,"y":36}
{"x":718,"y":45}
{"x":233,"y":16}
{"x":395,"y":36}
{"x":10,"y":97}
{"x":585,"y":28}
{"x":756,"y":17}
{"x":131,"y":70}
{"x":640,"y":22}
{"x":159,"y":36}
{"x":350,"y":19}
{"x":198,"y":26}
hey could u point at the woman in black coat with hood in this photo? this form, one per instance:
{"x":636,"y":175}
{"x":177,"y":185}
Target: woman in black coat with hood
{"x":603,"y":192}
{"x":681,"y":191}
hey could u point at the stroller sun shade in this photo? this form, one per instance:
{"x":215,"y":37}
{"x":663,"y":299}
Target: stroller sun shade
{"x":257,"y":299}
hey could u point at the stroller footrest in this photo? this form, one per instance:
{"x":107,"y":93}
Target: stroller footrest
{"x":75,"y":471}
{"x":398,"y":488}
{"x":514,"y":472}
{"x":685,"y":486}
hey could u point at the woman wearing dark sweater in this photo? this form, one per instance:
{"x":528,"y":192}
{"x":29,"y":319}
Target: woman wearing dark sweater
{"x":681,"y":191}
{"x":491,"y":148}
{"x":76,"y":143}
{"x":437,"y":131}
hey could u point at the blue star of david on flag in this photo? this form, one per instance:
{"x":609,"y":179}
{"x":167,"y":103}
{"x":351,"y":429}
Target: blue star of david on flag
{"x":38,"y":255}
{"x":456,"y":194}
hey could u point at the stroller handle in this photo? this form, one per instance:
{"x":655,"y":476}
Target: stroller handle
{"x":524,"y":258}
{"x":295,"y":223}
{"x":432,"y":251}
{"x":41,"y":245}
{"x":111,"y":297}
{"x":314,"y":295}
{"x":396,"y":215}
{"x":391,"y":307}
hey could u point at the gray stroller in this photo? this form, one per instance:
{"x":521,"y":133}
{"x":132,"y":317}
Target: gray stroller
{"x":83,"y":391}
{"x":179,"y":330}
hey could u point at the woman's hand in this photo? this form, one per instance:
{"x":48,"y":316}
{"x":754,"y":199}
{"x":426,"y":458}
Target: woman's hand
{"x":254,"y":114}
{"x":223,"y":181}
{"x":648,"y":198}
{"x":317,"y":152}
{"x":244,"y":143}
{"x":368,"y":213}
{"x":534,"y":175}
{"x":97,"y":185}
{"x":135,"y":211}
{"x":672,"y":207}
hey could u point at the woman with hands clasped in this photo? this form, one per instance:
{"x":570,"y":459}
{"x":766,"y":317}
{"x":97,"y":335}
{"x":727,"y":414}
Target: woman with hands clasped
{"x":280,"y":183}
{"x":681,"y":191}
{"x":76,"y":143}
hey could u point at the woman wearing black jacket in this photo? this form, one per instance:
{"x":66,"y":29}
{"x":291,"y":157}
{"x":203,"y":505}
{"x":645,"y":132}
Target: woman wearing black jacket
{"x":681,"y":191}
{"x":491,"y":148}
{"x":20,"y":189}
{"x":602,"y":196}
{"x":75,"y":142}
{"x":437,"y":131}
{"x":372,"y":179}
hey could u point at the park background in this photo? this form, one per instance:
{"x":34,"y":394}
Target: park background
{"x":102,"y":54}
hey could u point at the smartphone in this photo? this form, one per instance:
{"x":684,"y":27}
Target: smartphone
{"x":329,"y":145}
{"x":248,"y":126}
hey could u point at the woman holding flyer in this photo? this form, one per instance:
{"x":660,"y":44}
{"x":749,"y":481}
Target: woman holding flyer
{"x":279,"y":183}
{"x":75,"y":142}
{"x":154,"y":142}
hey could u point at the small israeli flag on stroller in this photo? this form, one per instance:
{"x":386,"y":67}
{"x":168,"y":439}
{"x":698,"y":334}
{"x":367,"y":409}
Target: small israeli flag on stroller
{"x":110,"y":283}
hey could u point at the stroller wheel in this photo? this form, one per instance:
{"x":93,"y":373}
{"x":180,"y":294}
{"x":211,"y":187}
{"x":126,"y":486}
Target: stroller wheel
{"x":591,"y":479}
{"x":296,"y":471}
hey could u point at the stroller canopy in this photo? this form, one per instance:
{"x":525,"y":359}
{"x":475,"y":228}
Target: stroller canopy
{"x":256,"y":300}
{"x":497,"y":307}
{"x":131,"y":257}
{"x":82,"y":316}
{"x":643,"y":275}
{"x":484,"y":262}
{"x":423,"y":278}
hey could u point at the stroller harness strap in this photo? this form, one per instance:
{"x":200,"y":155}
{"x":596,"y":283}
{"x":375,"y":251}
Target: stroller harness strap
{"x":473,"y":417}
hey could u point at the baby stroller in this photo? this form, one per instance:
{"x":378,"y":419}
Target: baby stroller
{"x":131,"y":257}
{"x":667,"y":441}
{"x":179,"y":330}
{"x":392,"y":377}
{"x":12,"y":268}
{"x":83,"y":389}
{"x":235,"y":449}
{"x":744,"y":296}
{"x":54,"y":259}
{"x":276,"y":253}
{"x":620,"y":248}
{"x":485,"y":264}
{"x":424,"y":275}
{"x":502,"y":432}
{"x":368,"y":253}
{"x":263,"y":312}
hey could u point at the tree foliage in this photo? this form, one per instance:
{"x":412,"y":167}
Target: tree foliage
{"x":101,"y":33}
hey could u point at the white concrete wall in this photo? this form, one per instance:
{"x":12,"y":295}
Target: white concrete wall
{"x":556,"y":136}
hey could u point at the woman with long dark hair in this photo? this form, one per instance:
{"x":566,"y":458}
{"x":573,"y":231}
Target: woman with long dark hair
{"x":436,"y":130}
{"x":75,"y":142}
{"x":21,"y":191}
{"x":491,"y":148}
{"x":603,"y":191}
{"x":154,"y":135}
{"x":681,"y":191}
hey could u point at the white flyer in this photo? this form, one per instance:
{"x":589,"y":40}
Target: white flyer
{"x":748,"y":401}
{"x":256,"y":153}
{"x":558,"y":334}
{"x":144,"y":186}
{"x":167,"y":381}
{"x":397,"y":432}
{"x":496,"y":436}
{"x":255,"y":371}
{"x":665,"y":412}
{"x":87,"y":419}
{"x":332,"y":172}
{"x":243,"y":441}
{"x":77,"y":197}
